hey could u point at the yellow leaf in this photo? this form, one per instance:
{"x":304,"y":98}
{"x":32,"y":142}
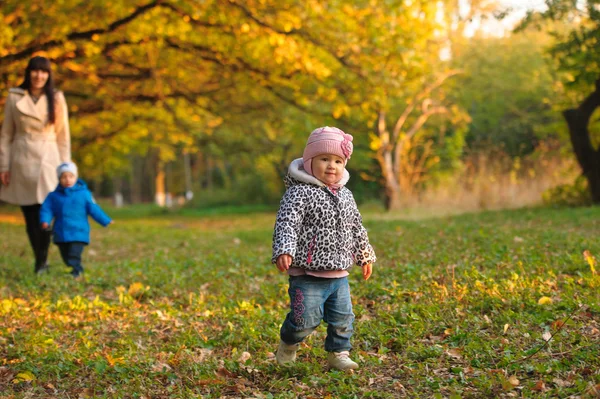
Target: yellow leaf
{"x":505,"y":328}
{"x":544,"y":300}
{"x":590,"y":260}
{"x":24,"y":376}
{"x":137,"y":289}
{"x":514,"y":381}
{"x":114,"y":360}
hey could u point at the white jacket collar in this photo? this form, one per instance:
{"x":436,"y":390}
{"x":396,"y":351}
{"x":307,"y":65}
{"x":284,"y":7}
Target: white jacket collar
{"x":296,"y":171}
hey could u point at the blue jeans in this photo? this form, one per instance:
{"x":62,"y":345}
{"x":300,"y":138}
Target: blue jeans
{"x":313,"y":299}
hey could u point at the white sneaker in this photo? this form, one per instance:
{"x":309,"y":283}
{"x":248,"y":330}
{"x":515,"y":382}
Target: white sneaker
{"x":341,"y":361}
{"x":286,"y":354}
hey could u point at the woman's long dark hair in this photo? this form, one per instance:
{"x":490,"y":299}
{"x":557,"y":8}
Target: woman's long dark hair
{"x":38,"y":63}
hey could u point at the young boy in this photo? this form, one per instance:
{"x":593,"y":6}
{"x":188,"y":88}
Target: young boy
{"x":69,"y":205}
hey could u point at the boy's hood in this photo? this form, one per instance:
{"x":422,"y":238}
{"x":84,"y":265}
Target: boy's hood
{"x":297,"y":174}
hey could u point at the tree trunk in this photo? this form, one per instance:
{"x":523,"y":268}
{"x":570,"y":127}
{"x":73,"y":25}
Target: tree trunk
{"x":386,"y":163}
{"x":135,"y":180}
{"x":587,"y":157}
{"x":187,"y":168}
{"x":159,"y":184}
{"x":393,"y":190}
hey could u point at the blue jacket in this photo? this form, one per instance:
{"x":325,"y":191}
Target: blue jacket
{"x":70,"y":207}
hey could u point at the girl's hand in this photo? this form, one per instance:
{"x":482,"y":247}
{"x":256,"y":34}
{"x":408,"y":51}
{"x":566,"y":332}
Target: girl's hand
{"x":283,"y":262}
{"x":367,"y":271}
{"x":5,"y":178}
{"x":44,"y":225}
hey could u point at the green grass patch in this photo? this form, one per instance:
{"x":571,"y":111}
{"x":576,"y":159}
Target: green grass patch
{"x":187,"y":305}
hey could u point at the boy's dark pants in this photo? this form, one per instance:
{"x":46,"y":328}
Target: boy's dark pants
{"x":71,"y":255}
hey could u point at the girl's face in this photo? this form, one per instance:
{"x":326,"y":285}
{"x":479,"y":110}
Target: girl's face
{"x":39,"y":78}
{"x":328,"y":168}
{"x":67,"y":179}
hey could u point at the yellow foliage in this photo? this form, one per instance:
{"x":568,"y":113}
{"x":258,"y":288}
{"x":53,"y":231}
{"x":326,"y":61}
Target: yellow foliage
{"x":24,"y":376}
{"x":591,"y":260}
{"x":374,"y":142}
{"x":137,"y":289}
{"x":545,"y":300}
{"x":114,"y":360}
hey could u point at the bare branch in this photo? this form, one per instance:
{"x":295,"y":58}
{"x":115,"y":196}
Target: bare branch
{"x":421,"y":95}
{"x":414,"y":129}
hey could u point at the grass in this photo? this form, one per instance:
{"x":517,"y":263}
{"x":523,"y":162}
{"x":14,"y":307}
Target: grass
{"x":188,"y":306}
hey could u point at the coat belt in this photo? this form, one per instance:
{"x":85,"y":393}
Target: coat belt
{"x":36,"y":136}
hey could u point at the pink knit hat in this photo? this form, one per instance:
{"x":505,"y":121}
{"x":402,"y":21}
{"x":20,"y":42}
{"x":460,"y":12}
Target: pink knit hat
{"x":327,"y":140}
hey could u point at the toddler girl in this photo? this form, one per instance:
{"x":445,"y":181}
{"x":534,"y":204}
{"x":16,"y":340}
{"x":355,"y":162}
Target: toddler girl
{"x":318,"y":237}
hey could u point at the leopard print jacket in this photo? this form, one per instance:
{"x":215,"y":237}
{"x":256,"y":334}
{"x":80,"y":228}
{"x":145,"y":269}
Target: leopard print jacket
{"x":319,"y":229}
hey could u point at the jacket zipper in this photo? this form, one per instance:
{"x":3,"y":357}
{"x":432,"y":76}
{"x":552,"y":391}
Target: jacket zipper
{"x":311,"y":246}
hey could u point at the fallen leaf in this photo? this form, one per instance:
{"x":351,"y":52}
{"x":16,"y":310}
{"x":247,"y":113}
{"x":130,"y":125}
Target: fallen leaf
{"x":86,"y":393}
{"x":514,"y":381}
{"x":223,"y":372}
{"x":539,"y":386}
{"x":518,"y":239}
{"x":558,"y":324}
{"x":137,"y":289}
{"x":244,"y":357}
{"x":506,"y":328}
{"x":546,"y":336}
{"x":364,"y":317}
{"x":544,"y":300}
{"x":160,"y":367}
{"x":592,"y":330}
{"x":24,"y":376}
{"x":561,"y":383}
{"x":587,"y":255}
{"x":594,"y":390}
{"x":455,"y":353}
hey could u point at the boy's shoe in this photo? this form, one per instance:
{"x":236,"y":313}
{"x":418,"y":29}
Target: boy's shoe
{"x":77,"y":275}
{"x":286,"y":354}
{"x":341,"y":361}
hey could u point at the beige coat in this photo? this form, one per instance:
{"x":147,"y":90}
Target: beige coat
{"x":30,"y":148}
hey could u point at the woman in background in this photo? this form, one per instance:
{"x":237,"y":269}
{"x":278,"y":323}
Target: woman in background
{"x":34,"y":140}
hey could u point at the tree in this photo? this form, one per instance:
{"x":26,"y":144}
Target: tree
{"x":577,"y":55}
{"x":156,"y":76}
{"x":508,"y":90}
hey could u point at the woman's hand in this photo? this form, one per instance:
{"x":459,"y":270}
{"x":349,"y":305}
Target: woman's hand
{"x":283,"y":262}
{"x":5,"y":178}
{"x":44,"y":226}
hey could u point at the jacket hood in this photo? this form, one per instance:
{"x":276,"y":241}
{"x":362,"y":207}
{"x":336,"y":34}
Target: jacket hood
{"x":297,"y":174}
{"x":78,"y":186}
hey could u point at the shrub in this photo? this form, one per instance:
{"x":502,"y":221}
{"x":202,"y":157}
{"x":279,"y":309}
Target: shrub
{"x":574,"y":194}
